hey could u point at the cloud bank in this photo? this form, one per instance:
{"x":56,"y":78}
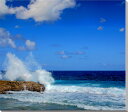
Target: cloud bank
{"x":67,"y":55}
{"x":30,"y":45}
{"x":8,"y":40}
{"x":39,"y":10}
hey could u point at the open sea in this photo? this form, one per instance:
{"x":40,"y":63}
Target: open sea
{"x":73,"y":90}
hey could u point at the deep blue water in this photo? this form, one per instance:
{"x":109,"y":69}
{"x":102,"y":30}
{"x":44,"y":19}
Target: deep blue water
{"x":73,"y":90}
{"x":89,"y":75}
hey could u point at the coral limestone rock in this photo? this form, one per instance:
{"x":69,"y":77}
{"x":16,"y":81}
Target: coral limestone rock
{"x":19,"y":86}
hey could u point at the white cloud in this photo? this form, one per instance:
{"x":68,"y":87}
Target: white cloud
{"x":100,"y":28}
{"x":30,"y":45}
{"x":21,"y":48}
{"x":6,"y":39}
{"x":102,"y":20}
{"x":39,"y":10}
{"x":61,"y":52}
{"x":79,"y":53}
{"x":65,"y":56}
{"x":17,"y":26}
{"x":11,"y":43}
{"x":3,"y":7}
{"x":122,"y":29}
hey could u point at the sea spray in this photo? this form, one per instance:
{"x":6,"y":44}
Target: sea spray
{"x":16,"y":69}
{"x":31,"y":63}
{"x":25,"y":88}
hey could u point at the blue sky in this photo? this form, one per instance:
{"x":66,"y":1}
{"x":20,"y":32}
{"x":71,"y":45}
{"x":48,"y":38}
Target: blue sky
{"x":89,"y":35}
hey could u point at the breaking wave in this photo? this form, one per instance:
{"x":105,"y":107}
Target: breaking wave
{"x":90,"y":98}
{"x":16,"y":69}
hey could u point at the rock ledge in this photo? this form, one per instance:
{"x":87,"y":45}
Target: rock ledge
{"x":19,"y":86}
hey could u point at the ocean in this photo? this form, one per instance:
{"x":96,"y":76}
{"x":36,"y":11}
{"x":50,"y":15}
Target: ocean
{"x":73,"y":90}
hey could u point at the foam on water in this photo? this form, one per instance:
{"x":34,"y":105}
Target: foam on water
{"x":82,"y":97}
{"x":79,"y":89}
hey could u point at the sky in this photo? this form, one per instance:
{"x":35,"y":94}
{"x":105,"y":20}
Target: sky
{"x":65,"y":34}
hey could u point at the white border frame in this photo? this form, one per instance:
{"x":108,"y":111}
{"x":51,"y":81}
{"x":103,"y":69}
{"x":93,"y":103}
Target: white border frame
{"x":126,"y":56}
{"x":126,"y":70}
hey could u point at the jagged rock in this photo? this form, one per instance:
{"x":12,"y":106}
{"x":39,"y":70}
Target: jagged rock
{"x":19,"y":86}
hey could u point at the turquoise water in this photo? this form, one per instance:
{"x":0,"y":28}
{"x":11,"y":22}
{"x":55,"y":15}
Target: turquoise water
{"x":69,"y":95}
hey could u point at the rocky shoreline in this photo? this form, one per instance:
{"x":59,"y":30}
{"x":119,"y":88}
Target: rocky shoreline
{"x":20,"y":86}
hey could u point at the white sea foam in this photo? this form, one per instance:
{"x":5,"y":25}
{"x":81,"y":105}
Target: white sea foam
{"x":91,"y":98}
{"x":16,"y":69}
{"x":113,"y":91}
{"x":79,"y":97}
